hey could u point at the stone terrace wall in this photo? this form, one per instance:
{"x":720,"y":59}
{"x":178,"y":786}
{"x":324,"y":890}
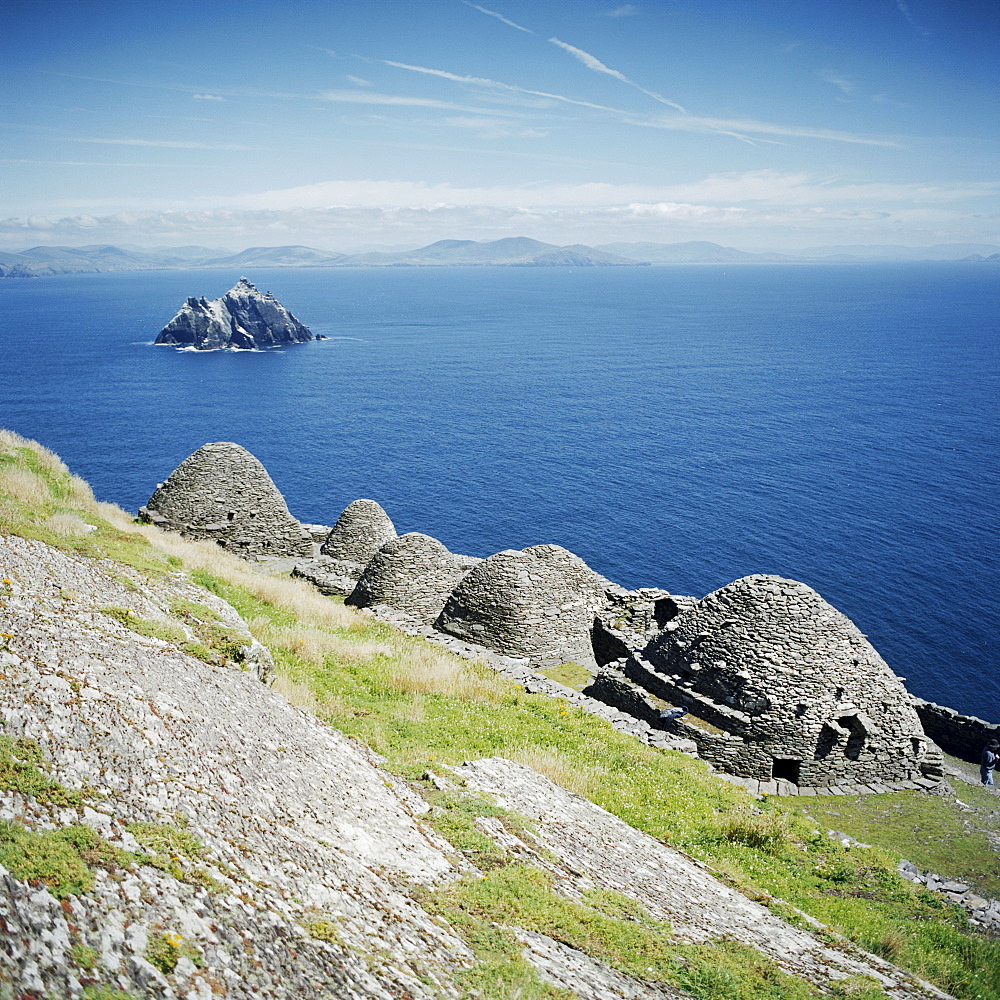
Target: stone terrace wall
{"x":963,"y":736}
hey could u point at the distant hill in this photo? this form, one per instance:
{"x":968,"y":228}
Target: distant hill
{"x":695,"y":252}
{"x":513,"y":251}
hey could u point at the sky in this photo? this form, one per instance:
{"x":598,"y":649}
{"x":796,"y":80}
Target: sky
{"x":344,"y":124}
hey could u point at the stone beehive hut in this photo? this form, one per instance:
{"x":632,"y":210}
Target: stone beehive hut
{"x":223,"y":493}
{"x":414,"y":574}
{"x":361,"y":530}
{"x":797,"y":691}
{"x":538,"y":603}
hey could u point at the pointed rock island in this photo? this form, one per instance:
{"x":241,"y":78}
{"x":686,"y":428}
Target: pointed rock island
{"x":243,"y":319}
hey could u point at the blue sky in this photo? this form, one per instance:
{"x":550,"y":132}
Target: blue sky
{"x":755,"y":123}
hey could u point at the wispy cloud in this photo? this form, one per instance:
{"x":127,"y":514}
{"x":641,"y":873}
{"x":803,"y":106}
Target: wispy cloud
{"x":625,"y":10}
{"x":904,"y":8}
{"x":494,"y":128}
{"x":161,"y":143}
{"x":694,"y":123}
{"x":842,"y":83}
{"x":397,"y":100}
{"x":499,"y":17}
{"x":480,"y":81}
{"x":207,"y":97}
{"x":739,"y":129}
{"x":595,"y":64}
{"x":358,"y":81}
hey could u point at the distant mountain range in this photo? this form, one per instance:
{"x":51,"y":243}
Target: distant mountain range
{"x":518,"y":251}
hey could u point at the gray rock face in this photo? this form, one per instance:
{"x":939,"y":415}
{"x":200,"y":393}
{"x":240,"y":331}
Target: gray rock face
{"x":413,"y":573}
{"x":798,"y":692}
{"x":297,"y":821}
{"x":243,"y":318}
{"x":361,"y":530}
{"x":537,"y":603}
{"x":223,"y":493}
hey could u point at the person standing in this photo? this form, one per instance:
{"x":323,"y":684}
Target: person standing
{"x":988,"y":763}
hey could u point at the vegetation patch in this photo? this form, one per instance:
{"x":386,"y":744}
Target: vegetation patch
{"x":84,"y":956}
{"x":21,"y":770}
{"x":609,"y":927}
{"x":60,"y":859}
{"x":168,"y":845}
{"x":164,"y":951}
{"x":573,"y":675}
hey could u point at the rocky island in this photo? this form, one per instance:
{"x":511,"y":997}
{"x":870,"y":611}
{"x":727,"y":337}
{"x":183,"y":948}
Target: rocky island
{"x":243,"y":319}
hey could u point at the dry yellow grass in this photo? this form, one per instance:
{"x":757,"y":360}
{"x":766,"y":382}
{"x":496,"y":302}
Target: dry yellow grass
{"x":568,"y":774}
{"x":324,"y":630}
{"x":24,"y":486}
{"x":68,"y":525}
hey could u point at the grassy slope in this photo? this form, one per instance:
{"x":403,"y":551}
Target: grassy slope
{"x":422,"y":707}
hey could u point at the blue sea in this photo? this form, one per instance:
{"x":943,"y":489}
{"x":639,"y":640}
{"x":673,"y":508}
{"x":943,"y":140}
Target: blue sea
{"x":675,"y":426}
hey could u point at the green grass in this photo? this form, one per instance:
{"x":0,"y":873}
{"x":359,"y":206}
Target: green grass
{"x":929,"y":830}
{"x":37,"y":495}
{"x":168,"y":846}
{"x":22,"y":770}
{"x":573,"y":675}
{"x":60,"y":859}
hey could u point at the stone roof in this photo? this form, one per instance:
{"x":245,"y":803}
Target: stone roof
{"x":221,"y":492}
{"x":537,"y":603}
{"x":413,"y":573}
{"x":769,"y":660}
{"x":361,"y":530}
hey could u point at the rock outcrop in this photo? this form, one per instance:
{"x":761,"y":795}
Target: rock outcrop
{"x":413,"y":573}
{"x":361,"y":530}
{"x":243,"y":319}
{"x":223,"y":493}
{"x":537,"y":603}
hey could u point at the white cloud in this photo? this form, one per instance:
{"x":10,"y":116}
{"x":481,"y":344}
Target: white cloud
{"x":592,"y":62}
{"x":480,"y":81}
{"x":733,"y":126}
{"x":499,"y":17}
{"x":358,"y":81}
{"x":207,"y":97}
{"x":665,"y":220}
{"x":904,"y":9}
{"x":842,"y":83}
{"x":399,"y":100}
{"x":161,"y":143}
{"x":625,"y":10}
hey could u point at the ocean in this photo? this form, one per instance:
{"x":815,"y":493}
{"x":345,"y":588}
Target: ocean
{"x":676,"y":426}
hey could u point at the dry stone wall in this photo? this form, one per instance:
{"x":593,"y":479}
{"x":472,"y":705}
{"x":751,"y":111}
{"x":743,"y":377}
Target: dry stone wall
{"x":361,"y":530}
{"x":963,"y":736}
{"x":795,"y":689}
{"x":222,"y":493}
{"x":538,"y":603}
{"x":414,"y":574}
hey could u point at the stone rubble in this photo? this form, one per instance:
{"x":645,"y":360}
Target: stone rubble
{"x":983,"y":913}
